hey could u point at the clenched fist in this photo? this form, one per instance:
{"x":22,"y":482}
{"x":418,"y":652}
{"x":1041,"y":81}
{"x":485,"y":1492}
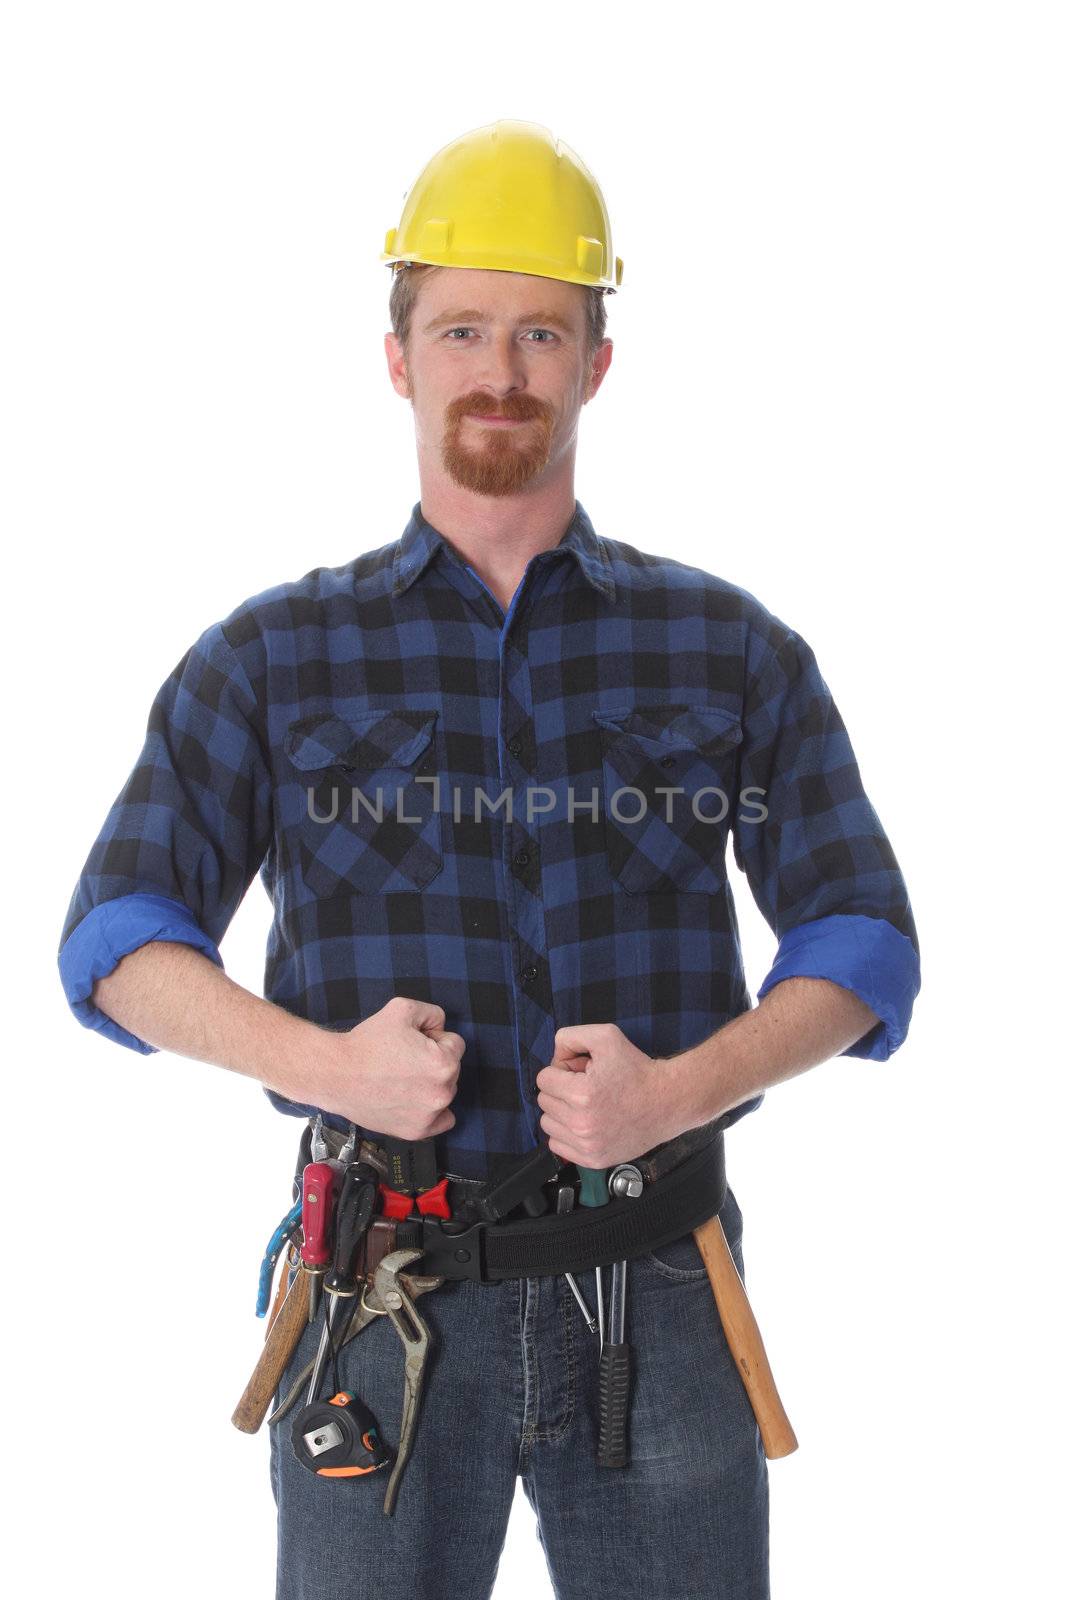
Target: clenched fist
{"x":603,"y":1100}
{"x":398,"y":1071}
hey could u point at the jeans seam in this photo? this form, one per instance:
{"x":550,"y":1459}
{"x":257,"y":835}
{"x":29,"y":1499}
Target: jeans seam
{"x":553,"y":1432}
{"x":531,"y":1394}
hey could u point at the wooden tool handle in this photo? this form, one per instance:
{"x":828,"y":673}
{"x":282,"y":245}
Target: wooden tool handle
{"x":281,"y":1341}
{"x":743,"y":1337}
{"x":292,"y":1257}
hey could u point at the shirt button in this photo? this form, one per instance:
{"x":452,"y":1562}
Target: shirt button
{"x":528,"y":974}
{"x":522,"y":858}
{"x":514,"y":747}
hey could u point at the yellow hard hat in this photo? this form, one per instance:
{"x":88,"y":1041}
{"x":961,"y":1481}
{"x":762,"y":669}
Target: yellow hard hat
{"x":512,"y":198}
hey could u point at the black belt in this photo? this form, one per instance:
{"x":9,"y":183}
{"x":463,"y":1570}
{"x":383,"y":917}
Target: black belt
{"x":588,"y":1237}
{"x":673,"y":1202}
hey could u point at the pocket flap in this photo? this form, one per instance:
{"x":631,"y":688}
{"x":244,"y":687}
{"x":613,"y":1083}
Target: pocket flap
{"x":360,"y":742}
{"x":658,"y":729}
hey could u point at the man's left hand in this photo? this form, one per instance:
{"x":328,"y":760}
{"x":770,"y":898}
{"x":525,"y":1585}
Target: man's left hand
{"x":603,"y":1100}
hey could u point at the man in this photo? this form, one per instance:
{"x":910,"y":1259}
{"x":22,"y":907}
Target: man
{"x":510,"y":952}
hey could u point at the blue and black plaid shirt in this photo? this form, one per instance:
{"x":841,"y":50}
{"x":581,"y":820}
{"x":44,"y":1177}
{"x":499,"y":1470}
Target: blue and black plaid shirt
{"x":337,"y":735}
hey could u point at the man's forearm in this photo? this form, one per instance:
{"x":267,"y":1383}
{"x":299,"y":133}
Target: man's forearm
{"x":177,"y":999}
{"x":801,"y":1022}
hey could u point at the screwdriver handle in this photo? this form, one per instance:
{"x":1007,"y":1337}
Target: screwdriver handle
{"x":594,"y":1190}
{"x":317,"y":1213}
{"x":613,"y":1445}
{"x":354,"y":1207}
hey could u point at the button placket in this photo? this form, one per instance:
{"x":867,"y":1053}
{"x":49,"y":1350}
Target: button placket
{"x":535,"y":1025}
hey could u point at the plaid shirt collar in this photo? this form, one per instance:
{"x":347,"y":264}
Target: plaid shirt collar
{"x":421,"y":541}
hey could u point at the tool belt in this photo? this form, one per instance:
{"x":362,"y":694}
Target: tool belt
{"x":519,"y":1223}
{"x":492,"y":1236}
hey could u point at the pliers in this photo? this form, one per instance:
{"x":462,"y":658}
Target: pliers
{"x":369,"y":1309}
{"x":390,"y":1292}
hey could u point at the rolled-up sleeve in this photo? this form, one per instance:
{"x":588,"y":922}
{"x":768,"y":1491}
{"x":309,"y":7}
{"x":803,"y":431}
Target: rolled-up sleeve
{"x":185,"y":835}
{"x":810,"y":843}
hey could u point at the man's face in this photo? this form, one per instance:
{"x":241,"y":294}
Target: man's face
{"x":497,"y":371}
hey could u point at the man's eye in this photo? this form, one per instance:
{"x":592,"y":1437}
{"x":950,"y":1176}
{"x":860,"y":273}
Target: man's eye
{"x":546,"y":332}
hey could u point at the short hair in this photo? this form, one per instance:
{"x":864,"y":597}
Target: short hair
{"x":405,"y":290}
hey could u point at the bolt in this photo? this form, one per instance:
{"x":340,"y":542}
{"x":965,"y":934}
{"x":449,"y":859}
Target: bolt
{"x":626,"y":1181}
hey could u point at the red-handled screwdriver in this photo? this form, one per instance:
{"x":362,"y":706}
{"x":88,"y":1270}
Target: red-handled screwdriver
{"x":319,"y":1193}
{"x":322,"y":1179}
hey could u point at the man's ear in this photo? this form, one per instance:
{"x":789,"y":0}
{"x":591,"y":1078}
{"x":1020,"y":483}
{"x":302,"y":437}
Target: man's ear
{"x":597,"y":369}
{"x":396,"y":361}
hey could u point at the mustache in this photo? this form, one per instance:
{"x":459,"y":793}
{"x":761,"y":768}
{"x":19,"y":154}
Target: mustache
{"x":515,"y":408}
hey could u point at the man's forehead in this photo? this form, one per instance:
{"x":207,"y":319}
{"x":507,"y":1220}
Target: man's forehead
{"x":469,"y":293}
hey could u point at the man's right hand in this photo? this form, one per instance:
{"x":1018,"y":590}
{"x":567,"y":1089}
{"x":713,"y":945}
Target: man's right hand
{"x":397,"y":1071}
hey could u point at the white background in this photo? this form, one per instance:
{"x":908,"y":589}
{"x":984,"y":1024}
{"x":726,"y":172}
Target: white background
{"x":838,"y":381}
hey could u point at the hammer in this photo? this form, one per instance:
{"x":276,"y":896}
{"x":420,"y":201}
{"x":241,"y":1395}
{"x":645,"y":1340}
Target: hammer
{"x":743,"y":1337}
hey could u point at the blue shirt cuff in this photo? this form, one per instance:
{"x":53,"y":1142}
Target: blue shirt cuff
{"x":106,"y":934}
{"x":865,"y":954}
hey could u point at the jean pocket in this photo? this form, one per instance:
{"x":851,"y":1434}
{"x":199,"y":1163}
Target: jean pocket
{"x":669,"y":776}
{"x":681,"y":1259}
{"x":370,"y":823}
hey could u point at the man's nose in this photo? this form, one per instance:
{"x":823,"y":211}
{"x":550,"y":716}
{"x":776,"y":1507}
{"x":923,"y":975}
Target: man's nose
{"x":500,"y":367}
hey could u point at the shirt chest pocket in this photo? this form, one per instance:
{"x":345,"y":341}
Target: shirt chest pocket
{"x":366,"y":825}
{"x":667,"y":798}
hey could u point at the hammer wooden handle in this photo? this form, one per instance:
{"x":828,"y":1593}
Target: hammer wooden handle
{"x":281,"y":1341}
{"x":743,"y":1337}
{"x":291,"y":1260}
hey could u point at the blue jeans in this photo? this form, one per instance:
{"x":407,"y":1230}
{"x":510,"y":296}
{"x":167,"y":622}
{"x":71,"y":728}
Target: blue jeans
{"x":511,"y":1388}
